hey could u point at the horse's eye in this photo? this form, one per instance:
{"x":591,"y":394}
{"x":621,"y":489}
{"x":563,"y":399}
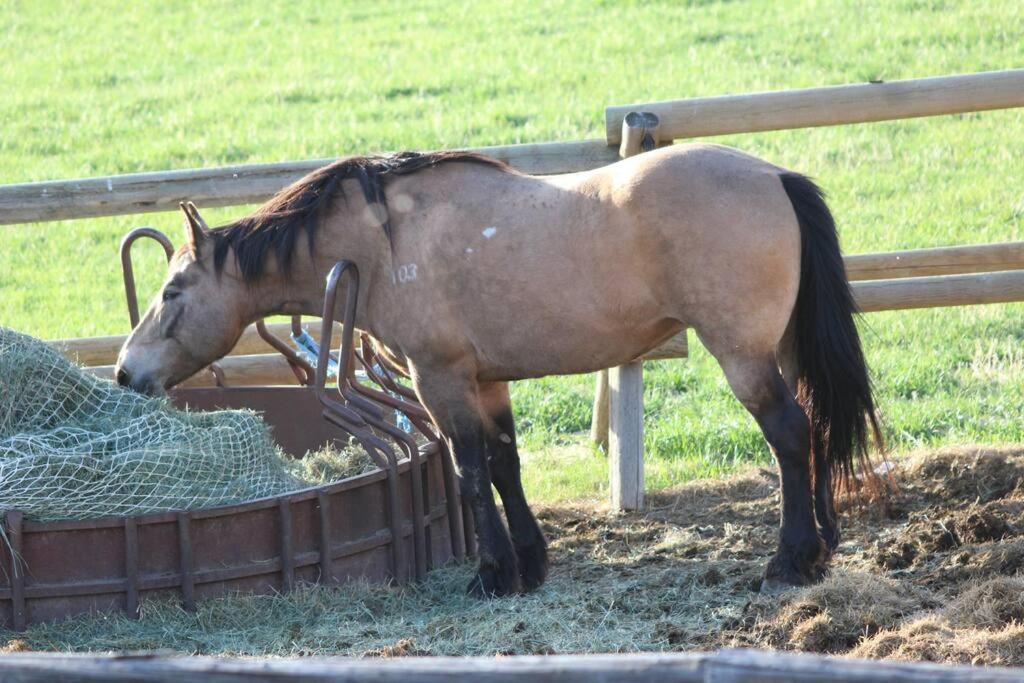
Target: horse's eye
{"x":171,"y":294}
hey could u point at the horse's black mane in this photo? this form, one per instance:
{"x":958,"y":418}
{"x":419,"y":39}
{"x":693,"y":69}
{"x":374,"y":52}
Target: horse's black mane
{"x":275,"y":226}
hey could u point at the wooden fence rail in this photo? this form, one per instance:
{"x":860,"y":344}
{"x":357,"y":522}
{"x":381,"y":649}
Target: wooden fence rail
{"x":957,"y":260}
{"x":699,"y":117}
{"x":94,"y":351}
{"x":724,"y":666}
{"x":939,"y":291}
{"x":233,"y":185}
{"x":255,"y":370}
{"x":829,"y":106}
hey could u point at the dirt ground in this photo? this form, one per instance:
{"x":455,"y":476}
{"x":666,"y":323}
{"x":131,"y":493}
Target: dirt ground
{"x":931,"y":575}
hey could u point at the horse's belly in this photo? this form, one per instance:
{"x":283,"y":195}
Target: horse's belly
{"x":573,"y":350}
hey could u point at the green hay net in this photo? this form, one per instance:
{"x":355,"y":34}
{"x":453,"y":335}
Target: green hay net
{"x":73,"y":446}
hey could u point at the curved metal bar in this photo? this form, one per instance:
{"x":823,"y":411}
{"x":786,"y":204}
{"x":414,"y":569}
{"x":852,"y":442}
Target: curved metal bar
{"x":344,"y":416}
{"x":128,"y":271}
{"x":386,"y":372}
{"x":414,"y":411}
{"x":130,"y":291}
{"x":459,"y":513}
{"x":366,"y":402}
{"x":347,"y":331}
{"x":304,"y":372}
{"x":420,"y":505}
{"x":420,"y":419}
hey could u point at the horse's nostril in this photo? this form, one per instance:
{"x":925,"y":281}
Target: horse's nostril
{"x":123,"y":378}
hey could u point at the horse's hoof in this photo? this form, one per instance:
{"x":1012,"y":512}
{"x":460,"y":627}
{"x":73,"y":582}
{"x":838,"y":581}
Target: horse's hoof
{"x":774,"y":585}
{"x":533,"y":564}
{"x":784,"y":571}
{"x":495,"y":581}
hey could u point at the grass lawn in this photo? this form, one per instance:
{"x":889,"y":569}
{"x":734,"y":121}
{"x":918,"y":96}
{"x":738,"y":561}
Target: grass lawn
{"x":103,"y":88}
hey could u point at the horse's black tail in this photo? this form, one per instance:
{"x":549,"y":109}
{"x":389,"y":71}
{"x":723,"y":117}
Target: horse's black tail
{"x":834,"y":387}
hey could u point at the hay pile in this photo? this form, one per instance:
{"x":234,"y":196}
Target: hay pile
{"x":73,"y":446}
{"x":935,"y":577}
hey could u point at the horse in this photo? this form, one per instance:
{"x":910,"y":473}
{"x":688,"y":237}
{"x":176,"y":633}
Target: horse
{"x":475,"y":275}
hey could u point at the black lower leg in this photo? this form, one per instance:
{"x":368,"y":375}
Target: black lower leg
{"x":503,"y":461}
{"x":801,"y":556}
{"x":498,"y":574}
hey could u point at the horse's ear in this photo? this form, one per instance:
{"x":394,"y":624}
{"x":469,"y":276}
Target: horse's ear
{"x":195,"y":227}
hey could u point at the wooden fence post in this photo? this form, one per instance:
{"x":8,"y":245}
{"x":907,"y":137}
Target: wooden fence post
{"x":622,"y":413}
{"x":626,"y":435}
{"x":599,"y":420}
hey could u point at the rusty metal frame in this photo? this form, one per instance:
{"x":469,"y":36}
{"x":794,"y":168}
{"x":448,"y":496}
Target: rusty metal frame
{"x":461,"y":529}
{"x":304,"y":372}
{"x":362,"y":402}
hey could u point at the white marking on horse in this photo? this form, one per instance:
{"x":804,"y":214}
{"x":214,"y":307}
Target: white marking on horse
{"x":489,"y":232}
{"x":505,"y":438}
{"x":402,"y":203}
{"x":404,"y":274}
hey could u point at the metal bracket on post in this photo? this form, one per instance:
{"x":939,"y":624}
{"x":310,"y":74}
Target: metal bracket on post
{"x":618,"y":420}
{"x":639,"y":133}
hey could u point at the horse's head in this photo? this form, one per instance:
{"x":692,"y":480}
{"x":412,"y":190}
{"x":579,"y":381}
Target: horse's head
{"x":195,"y":318}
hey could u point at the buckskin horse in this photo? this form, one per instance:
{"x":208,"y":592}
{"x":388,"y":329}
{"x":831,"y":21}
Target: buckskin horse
{"x":475,"y":275}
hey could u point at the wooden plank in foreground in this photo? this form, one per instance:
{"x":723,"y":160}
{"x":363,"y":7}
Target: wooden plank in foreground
{"x":725,"y":666}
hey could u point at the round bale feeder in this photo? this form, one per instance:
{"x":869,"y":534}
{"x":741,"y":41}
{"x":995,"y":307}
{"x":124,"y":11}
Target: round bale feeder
{"x":393,"y":523}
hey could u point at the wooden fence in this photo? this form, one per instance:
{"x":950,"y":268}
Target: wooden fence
{"x":950,"y":276}
{"x":724,"y":666}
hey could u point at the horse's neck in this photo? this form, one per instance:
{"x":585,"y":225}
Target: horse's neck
{"x":302,"y":292}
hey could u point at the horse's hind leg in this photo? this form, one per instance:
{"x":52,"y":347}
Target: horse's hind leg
{"x":824,"y":505}
{"x":503,"y":462}
{"x":760,"y":387}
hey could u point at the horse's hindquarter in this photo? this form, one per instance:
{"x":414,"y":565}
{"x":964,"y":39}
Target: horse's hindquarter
{"x":573,"y":273}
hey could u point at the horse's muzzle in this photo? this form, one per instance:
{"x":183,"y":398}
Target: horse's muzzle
{"x":144,"y":384}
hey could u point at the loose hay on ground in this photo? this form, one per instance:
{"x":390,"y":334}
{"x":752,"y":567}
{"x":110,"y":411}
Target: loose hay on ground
{"x":681,"y":576}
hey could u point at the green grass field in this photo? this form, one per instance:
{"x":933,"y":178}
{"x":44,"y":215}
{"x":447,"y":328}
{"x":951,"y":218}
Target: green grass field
{"x":103,"y":88}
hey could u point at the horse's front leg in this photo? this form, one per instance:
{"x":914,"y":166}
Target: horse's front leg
{"x":453,"y":401}
{"x":504,"y":466}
